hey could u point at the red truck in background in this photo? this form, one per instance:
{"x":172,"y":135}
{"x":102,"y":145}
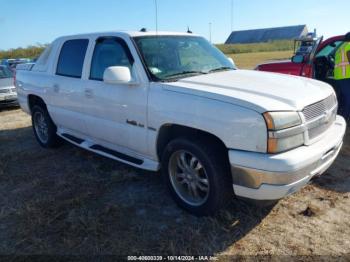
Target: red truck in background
{"x":314,"y":59}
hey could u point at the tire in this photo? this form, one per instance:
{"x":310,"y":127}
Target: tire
{"x":206,"y":169}
{"x":43,"y":127}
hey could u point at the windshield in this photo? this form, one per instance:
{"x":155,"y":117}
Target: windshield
{"x":5,"y":72}
{"x":172,"y":57}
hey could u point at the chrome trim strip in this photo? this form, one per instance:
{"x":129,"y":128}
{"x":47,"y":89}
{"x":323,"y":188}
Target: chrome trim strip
{"x":288,"y":132}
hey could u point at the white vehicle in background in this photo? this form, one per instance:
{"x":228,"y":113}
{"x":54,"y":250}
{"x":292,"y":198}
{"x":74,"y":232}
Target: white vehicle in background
{"x":8,"y":95}
{"x":174,"y":102}
{"x":13,"y":63}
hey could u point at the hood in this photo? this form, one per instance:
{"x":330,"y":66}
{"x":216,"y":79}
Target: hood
{"x":286,"y":61}
{"x":259,"y":91}
{"x":6,"y":83}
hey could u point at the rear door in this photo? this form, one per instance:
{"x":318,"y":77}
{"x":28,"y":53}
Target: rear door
{"x":67,"y":90}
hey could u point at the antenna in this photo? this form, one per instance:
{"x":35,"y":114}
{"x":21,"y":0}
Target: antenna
{"x":156,"y":8}
{"x":210,"y":32}
{"x":231,"y":15}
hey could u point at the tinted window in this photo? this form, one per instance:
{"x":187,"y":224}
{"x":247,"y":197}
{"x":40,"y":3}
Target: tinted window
{"x":173,"y":57}
{"x":109,"y":52}
{"x":41,"y":63}
{"x":71,"y":60}
{"x":5,"y":72}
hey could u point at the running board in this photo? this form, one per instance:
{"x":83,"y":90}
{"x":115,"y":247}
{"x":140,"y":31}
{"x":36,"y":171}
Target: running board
{"x":117,"y":154}
{"x":107,"y":152}
{"x":75,"y":139}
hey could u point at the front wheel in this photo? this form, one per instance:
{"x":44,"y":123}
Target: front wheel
{"x":197,"y":176}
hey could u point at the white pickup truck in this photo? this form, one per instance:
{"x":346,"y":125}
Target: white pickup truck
{"x":174,"y":102}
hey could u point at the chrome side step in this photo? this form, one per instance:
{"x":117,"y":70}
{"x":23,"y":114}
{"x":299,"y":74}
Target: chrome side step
{"x":103,"y":149}
{"x":73,"y":138}
{"x":117,"y":154}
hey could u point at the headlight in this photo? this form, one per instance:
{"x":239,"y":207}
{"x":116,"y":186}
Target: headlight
{"x":283,"y":131}
{"x":281,"y":120}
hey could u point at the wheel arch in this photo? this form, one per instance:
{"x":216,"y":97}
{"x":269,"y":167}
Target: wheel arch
{"x":168,"y":132}
{"x":35,"y":100}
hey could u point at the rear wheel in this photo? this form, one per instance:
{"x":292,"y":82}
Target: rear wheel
{"x":197,"y":176}
{"x":43,"y":127}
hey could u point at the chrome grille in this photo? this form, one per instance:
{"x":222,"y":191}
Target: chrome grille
{"x":318,"y":130}
{"x":318,"y":109}
{"x":320,"y":116}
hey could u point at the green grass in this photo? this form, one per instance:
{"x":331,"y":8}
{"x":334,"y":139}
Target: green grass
{"x":251,"y":60}
{"x":281,"y":45}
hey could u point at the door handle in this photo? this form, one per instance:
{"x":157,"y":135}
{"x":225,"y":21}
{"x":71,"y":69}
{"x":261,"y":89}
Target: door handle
{"x":88,"y":93}
{"x":56,"y":88}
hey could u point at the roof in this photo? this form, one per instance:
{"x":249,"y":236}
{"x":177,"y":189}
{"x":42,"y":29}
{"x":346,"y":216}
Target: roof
{"x":267,"y":34}
{"x":152,"y":33}
{"x":127,"y":33}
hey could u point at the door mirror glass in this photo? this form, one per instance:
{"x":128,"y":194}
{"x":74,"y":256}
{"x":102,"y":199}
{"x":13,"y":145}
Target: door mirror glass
{"x":117,"y":75}
{"x":298,"y":59}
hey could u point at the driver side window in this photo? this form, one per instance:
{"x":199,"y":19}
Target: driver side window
{"x":109,"y":52}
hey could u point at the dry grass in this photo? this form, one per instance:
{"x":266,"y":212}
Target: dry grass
{"x":277,"y":45}
{"x":251,"y":60}
{"x":70,"y":201}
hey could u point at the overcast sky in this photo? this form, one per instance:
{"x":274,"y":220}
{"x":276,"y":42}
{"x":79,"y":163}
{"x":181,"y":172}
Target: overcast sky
{"x":26,"y":22}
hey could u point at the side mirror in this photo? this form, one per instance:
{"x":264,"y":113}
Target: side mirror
{"x":231,"y":61}
{"x":117,"y":75}
{"x":298,"y":59}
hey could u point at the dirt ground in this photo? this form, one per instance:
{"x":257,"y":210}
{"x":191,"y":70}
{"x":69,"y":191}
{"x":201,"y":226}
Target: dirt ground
{"x":70,"y":201}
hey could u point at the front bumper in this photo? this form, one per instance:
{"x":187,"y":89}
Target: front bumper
{"x":8,"y":99}
{"x":269,"y":177}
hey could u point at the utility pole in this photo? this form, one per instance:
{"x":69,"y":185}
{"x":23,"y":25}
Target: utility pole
{"x":210,"y":32}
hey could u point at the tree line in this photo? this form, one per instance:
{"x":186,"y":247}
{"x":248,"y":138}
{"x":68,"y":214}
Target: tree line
{"x":32,"y":51}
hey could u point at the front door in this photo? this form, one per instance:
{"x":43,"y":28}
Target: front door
{"x":116,"y":113}
{"x":324,"y":62}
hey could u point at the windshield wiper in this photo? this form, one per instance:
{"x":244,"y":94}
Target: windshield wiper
{"x":220,"y":69}
{"x":186,"y":73}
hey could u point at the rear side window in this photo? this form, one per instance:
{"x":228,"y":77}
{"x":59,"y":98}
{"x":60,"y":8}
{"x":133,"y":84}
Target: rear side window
{"x":41,"y":63}
{"x":71,"y":59}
